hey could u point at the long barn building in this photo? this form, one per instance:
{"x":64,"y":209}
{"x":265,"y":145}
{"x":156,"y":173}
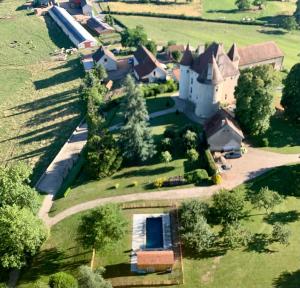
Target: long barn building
{"x":79,"y":36}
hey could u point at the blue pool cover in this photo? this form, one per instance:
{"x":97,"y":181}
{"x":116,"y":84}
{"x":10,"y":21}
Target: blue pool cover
{"x":154,"y":233}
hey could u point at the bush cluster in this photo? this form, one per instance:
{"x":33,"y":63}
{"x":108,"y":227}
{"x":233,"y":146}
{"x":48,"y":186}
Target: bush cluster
{"x":154,"y":89}
{"x":198,"y":177}
{"x":210,"y":163}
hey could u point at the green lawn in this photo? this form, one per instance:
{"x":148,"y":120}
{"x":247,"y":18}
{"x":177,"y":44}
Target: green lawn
{"x":227,"y":10}
{"x":251,"y":268}
{"x":62,"y":252}
{"x":154,"y":103}
{"x":161,"y":30}
{"x":283,"y":136}
{"x":247,"y":267}
{"x":39,"y":103}
{"x":144,"y":175}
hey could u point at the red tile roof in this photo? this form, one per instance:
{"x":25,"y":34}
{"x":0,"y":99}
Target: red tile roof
{"x":165,"y":257}
{"x":258,"y":53}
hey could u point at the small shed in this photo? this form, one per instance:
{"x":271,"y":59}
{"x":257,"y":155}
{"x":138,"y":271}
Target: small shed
{"x":100,"y":27}
{"x":154,"y":261}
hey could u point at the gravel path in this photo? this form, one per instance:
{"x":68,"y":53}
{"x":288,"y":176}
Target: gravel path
{"x":251,"y":165}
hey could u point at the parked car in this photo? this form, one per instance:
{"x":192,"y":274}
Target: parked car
{"x":226,"y":167}
{"x":115,"y":51}
{"x":233,"y":155}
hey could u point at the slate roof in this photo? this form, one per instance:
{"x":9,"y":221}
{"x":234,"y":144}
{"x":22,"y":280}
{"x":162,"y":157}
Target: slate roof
{"x":218,"y":121}
{"x":152,"y":258}
{"x":73,"y":27}
{"x":101,"y":52}
{"x":233,"y":53}
{"x":259,"y":52}
{"x":146,"y":62}
{"x":99,"y":26}
{"x":187,"y":58}
{"x":224,"y":64}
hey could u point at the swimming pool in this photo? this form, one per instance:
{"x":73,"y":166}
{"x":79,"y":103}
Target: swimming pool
{"x":154,"y":233}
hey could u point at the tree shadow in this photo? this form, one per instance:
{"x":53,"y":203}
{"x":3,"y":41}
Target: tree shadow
{"x":144,"y":172}
{"x":117,"y":270}
{"x":216,"y":251}
{"x":287,"y":280}
{"x":273,"y":19}
{"x":283,"y":217}
{"x":259,"y":243}
{"x":272,"y":32}
{"x":223,"y":11}
{"x":74,"y":71}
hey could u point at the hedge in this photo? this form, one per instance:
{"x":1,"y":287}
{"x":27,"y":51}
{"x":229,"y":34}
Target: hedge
{"x":210,"y":163}
{"x":184,"y":17}
{"x":71,"y":177}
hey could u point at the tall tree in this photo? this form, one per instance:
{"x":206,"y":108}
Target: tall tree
{"x":297,"y":12}
{"x":254,"y":99}
{"x":229,"y":205}
{"x":102,"y":227}
{"x":134,"y":37}
{"x":21,"y":234}
{"x":136,"y":138}
{"x":266,"y":199}
{"x":291,"y":94}
{"x":15,"y":188}
{"x":87,"y":278}
{"x":103,"y":155}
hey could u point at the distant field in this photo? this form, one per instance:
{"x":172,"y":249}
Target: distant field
{"x":161,"y":30}
{"x":179,"y":8}
{"x":39,"y":104}
{"x":211,"y":9}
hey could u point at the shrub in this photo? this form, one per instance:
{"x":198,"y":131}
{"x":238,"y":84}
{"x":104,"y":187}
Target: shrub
{"x":198,"y":176}
{"x":192,"y":155}
{"x":62,"y":280}
{"x":165,"y":144}
{"x":210,"y":163}
{"x":217,"y":179}
{"x":264,"y":142}
{"x":159,"y":182}
{"x":117,"y":185}
{"x":175,"y":181}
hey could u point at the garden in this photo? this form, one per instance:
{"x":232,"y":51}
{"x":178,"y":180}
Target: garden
{"x":265,"y":216}
{"x":63,"y":252}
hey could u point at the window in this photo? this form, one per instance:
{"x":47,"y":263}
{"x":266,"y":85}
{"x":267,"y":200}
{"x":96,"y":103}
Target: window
{"x":105,"y":60}
{"x":225,"y":96}
{"x":191,"y":90}
{"x":192,"y":80}
{"x":154,"y":73}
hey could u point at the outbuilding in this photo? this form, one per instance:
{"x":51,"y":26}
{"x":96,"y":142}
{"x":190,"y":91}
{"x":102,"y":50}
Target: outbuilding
{"x":87,"y":7}
{"x":105,"y":58}
{"x":154,"y":261}
{"x":100,"y":27}
{"x":146,"y":67}
{"x":223,"y":133}
{"x":79,"y":36}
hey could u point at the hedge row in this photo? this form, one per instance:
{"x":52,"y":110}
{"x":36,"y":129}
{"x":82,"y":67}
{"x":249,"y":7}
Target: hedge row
{"x":184,"y":17}
{"x":210,"y":163}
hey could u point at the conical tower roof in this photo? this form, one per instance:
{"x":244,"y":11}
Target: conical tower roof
{"x":187,"y":58}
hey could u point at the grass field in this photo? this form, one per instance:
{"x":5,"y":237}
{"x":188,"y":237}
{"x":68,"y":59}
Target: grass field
{"x":209,"y":9}
{"x":226,"y":9}
{"x":62,"y":252}
{"x":247,"y":267}
{"x":144,"y":175}
{"x":39,"y":104}
{"x":161,"y":30}
{"x":179,"y":8}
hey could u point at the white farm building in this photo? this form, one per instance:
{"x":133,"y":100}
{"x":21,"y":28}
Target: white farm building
{"x":79,"y":36}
